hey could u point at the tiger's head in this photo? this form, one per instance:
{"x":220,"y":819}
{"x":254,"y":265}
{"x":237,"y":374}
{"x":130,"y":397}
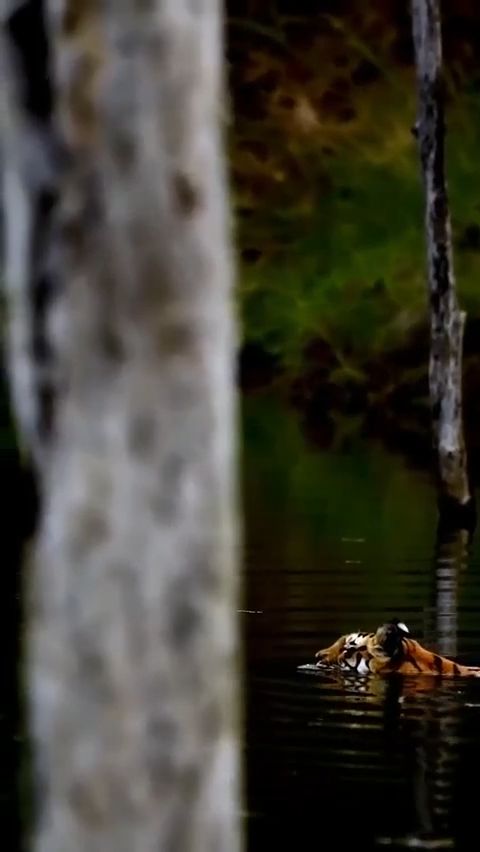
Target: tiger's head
{"x":389,"y":637}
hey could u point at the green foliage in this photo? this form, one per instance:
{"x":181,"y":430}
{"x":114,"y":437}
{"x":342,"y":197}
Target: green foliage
{"x":352,"y":275}
{"x":329,"y":199}
{"x":356,"y":273}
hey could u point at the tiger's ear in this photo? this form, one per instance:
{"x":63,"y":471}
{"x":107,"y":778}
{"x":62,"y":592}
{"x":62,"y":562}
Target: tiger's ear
{"x":402,"y":627}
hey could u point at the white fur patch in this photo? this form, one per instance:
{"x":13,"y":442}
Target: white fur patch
{"x":362,"y":668}
{"x":355,"y":639}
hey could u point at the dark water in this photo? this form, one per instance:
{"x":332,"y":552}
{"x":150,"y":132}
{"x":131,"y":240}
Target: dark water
{"x":335,"y":542}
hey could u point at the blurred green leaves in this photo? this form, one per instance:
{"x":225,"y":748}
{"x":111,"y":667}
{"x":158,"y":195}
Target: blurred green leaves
{"x":328,"y":194}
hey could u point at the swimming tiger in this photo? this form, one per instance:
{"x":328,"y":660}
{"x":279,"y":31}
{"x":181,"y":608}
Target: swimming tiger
{"x":390,"y":649}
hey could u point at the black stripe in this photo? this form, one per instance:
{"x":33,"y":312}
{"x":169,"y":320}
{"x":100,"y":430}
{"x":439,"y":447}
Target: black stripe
{"x":456,"y":669}
{"x":438,"y":663}
{"x":412,"y":660}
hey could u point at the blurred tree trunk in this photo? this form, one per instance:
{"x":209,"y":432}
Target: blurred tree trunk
{"x":122,"y":345}
{"x":447,"y":321}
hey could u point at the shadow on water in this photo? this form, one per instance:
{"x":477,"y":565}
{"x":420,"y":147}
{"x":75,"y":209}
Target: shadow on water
{"x":338,"y":542}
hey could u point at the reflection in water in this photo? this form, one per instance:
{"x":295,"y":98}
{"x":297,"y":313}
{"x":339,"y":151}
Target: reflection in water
{"x":451,"y":558}
{"x":431,"y":719}
{"x":339,"y":542}
{"x":385,"y":760}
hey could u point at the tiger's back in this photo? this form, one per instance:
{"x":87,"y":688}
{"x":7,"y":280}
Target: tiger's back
{"x":419,"y":660}
{"x":389,"y":650}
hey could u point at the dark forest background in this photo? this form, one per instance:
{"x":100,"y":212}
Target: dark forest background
{"x":329,"y":210}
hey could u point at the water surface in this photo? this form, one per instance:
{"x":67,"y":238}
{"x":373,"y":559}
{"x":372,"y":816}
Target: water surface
{"x":342,"y":540}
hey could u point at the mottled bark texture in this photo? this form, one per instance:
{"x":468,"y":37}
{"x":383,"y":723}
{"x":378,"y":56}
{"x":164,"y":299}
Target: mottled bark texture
{"x":447,"y":321}
{"x":122,"y":348}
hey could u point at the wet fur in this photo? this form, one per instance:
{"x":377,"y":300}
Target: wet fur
{"x":389,"y":650}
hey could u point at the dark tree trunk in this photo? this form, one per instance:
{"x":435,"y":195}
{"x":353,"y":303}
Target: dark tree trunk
{"x":122,"y":347}
{"x":447,"y":321}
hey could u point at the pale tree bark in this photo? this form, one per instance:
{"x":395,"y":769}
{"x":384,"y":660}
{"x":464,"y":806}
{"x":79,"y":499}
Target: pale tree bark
{"x":122,"y":346}
{"x":447,"y":321}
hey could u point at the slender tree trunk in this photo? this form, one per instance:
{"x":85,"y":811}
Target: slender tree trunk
{"x":447,"y":321}
{"x":122,"y":346}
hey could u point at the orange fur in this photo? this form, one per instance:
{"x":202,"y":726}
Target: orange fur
{"x":419,"y":660}
{"x":387,"y":651}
